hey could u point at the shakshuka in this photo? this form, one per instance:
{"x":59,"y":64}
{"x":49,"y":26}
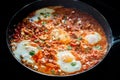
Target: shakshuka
{"x":60,"y":41}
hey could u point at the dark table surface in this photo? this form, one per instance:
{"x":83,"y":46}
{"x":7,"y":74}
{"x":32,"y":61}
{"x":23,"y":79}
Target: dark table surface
{"x":109,"y":68}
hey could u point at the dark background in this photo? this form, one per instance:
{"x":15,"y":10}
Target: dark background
{"x":108,"y":69}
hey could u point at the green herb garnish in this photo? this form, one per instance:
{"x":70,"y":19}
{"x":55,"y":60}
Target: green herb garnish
{"x":25,"y":44}
{"x":73,"y":63}
{"x":47,"y":14}
{"x":38,"y":18}
{"x":43,"y":23}
{"x":55,"y":14}
{"x":87,"y":49}
{"x":36,"y":41}
{"x":80,"y":38}
{"x":42,"y":13}
{"x":39,"y":48}
{"x":64,"y":21}
{"x":65,"y":17}
{"x":42,"y":41}
{"x":32,"y":53}
{"x":97,"y":47}
{"x":53,"y":71}
{"x":46,"y":30}
{"x":69,"y":47}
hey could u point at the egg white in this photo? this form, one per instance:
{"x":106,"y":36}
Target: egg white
{"x":23,"y":49}
{"x":44,"y":10}
{"x":37,"y":14}
{"x":93,"y":38}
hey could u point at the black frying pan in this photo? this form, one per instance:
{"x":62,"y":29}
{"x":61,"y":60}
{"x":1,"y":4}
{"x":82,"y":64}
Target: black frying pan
{"x":22,"y":13}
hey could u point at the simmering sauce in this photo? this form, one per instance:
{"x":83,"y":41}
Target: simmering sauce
{"x":59,"y":41}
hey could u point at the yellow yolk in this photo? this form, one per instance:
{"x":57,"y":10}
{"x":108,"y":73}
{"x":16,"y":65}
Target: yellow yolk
{"x":67,"y":58}
{"x":61,"y":35}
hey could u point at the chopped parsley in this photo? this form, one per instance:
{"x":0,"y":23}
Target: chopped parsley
{"x":25,"y":44}
{"x":39,"y":48}
{"x":87,"y":49}
{"x":36,"y":41}
{"x":69,"y":47}
{"x":73,"y":64}
{"x":43,"y":23}
{"x":32,"y":53}
{"x":97,"y":47}
{"x":53,"y":71}
{"x":46,"y":30}
{"x":64,"y":19}
{"x":41,"y":13}
{"x":55,"y":14}
{"x":45,"y":15}
{"x":80,"y":38}
{"x":38,"y":18}
{"x":42,"y":41}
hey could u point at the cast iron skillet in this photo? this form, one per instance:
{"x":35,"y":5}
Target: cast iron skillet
{"x":23,"y":12}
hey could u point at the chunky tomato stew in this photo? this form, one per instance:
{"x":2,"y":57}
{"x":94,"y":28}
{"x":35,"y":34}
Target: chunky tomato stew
{"x":59,"y":41}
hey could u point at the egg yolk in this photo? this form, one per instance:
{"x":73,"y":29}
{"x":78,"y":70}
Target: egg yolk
{"x":61,"y":35}
{"x":67,"y":58}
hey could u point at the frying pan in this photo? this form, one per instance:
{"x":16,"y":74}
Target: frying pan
{"x":23,"y":12}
